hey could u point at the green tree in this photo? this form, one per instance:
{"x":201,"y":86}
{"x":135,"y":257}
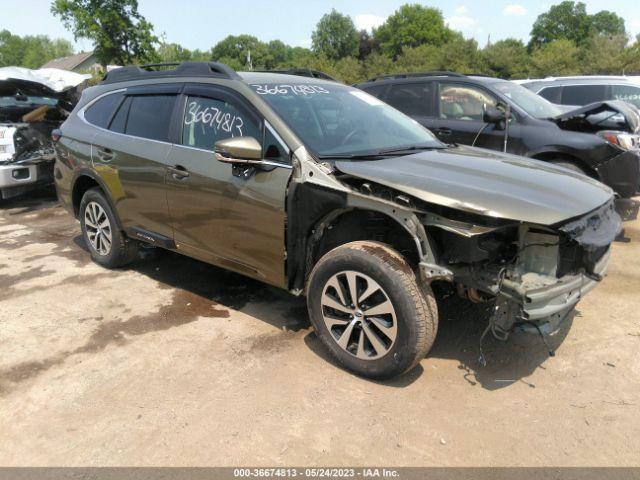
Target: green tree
{"x":277,"y":54}
{"x":607,"y":23}
{"x":31,"y":51}
{"x":412,"y":26}
{"x":604,"y":55}
{"x":335,"y":37}
{"x":569,"y":20}
{"x":506,"y":58}
{"x":457,"y":55}
{"x":366,"y":44}
{"x":557,"y":58}
{"x":378,"y":64}
{"x":120,"y":34}
{"x":173,"y":52}
{"x":235,"y":49}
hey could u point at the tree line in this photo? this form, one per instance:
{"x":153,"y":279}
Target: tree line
{"x":565,"y":40}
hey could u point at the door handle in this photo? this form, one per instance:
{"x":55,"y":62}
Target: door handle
{"x":442,"y":131}
{"x":104,"y":154}
{"x":178,"y":172}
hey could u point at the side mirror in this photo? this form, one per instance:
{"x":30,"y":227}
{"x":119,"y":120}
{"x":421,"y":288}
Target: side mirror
{"x":238,"y":151}
{"x":492,"y":115}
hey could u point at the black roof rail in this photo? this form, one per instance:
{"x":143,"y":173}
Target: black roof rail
{"x":434,"y":73}
{"x":162,"y":70}
{"x":485,"y":75}
{"x":302,"y":72}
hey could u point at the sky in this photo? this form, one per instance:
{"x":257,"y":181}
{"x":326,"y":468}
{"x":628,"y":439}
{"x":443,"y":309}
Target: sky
{"x":202,"y":23}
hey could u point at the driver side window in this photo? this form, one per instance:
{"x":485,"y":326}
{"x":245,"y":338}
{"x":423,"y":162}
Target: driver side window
{"x":207,"y":120}
{"x":463,"y":102}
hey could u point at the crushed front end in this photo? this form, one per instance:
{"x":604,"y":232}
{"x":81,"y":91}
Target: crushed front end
{"x":32,"y":104}
{"x":26,"y":157}
{"x":534,"y":274}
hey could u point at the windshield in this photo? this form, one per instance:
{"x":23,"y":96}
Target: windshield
{"x":335,"y":120}
{"x":533,"y":104}
{"x":12,"y":101}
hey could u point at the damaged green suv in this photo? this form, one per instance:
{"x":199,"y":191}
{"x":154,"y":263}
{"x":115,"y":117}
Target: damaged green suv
{"x":325,"y":191}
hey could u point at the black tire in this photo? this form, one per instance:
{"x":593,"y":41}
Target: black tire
{"x":414,"y":306}
{"x":570,"y":166}
{"x":122,"y":250}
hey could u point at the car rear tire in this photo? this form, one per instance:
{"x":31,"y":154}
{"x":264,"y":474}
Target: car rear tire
{"x":105,"y":240}
{"x":370,"y":311}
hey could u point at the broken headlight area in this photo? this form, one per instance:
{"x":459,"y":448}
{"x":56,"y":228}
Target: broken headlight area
{"x":26,"y":143}
{"x":534,"y":274}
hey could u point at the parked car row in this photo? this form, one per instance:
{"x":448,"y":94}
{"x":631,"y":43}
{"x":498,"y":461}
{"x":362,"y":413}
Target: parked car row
{"x":338,"y":193}
{"x":600,"y":140}
{"x":329,"y":192}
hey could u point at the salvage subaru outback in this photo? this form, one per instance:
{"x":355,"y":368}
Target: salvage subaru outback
{"x":325,"y":191}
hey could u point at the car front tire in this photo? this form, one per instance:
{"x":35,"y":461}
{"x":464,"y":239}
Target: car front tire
{"x":370,"y":311}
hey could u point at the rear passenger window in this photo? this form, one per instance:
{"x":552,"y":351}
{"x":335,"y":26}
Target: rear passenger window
{"x":583,"y":94}
{"x":627,"y":93}
{"x":553,"y":94}
{"x":100,"y":112}
{"x":376,"y":91}
{"x":150,"y":116}
{"x":119,"y":122}
{"x":207,"y":120}
{"x":412,"y":98}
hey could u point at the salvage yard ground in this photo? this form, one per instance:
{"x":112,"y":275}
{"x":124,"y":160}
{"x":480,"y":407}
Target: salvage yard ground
{"x":174,"y":362}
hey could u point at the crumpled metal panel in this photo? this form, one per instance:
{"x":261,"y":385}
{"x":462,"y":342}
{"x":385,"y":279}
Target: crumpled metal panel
{"x":596,"y":229}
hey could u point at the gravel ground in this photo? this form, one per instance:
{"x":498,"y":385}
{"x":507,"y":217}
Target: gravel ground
{"x":175,"y":362}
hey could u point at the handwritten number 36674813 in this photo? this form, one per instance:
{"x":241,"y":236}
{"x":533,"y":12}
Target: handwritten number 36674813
{"x":216,"y":118}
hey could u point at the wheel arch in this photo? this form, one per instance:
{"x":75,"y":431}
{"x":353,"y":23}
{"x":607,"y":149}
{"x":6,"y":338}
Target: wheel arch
{"x":85,"y":180}
{"x":551,"y":155}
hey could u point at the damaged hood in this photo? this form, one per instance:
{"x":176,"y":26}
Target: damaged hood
{"x":609,"y":115}
{"x":487,"y":183}
{"x":42,"y":82}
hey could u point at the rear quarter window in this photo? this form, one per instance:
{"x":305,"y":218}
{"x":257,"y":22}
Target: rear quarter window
{"x":583,"y":94}
{"x":414,"y":99}
{"x":101,"y":111}
{"x":553,"y":94}
{"x":150,"y":116}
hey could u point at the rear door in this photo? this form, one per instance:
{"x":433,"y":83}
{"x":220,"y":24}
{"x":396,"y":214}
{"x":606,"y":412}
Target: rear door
{"x":131,"y":157}
{"x":222,"y":214}
{"x":415,"y":99}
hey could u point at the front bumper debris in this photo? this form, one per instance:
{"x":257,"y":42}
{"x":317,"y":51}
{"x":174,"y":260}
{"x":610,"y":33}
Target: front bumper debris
{"x":622,"y":173}
{"x":20,"y":177}
{"x":547,"y":306}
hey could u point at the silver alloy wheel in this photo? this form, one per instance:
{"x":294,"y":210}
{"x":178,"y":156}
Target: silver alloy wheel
{"x":98,"y":228}
{"x":359,"y":315}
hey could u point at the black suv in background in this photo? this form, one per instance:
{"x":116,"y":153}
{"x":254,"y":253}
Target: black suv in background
{"x":600,"y":140}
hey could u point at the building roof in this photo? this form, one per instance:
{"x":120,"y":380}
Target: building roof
{"x":70,"y":62}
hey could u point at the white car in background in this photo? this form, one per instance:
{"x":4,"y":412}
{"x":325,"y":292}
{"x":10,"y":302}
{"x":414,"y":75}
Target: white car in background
{"x":582,"y":90}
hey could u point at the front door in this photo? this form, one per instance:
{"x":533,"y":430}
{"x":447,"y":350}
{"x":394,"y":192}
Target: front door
{"x":460,"y":116}
{"x":221,"y":214}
